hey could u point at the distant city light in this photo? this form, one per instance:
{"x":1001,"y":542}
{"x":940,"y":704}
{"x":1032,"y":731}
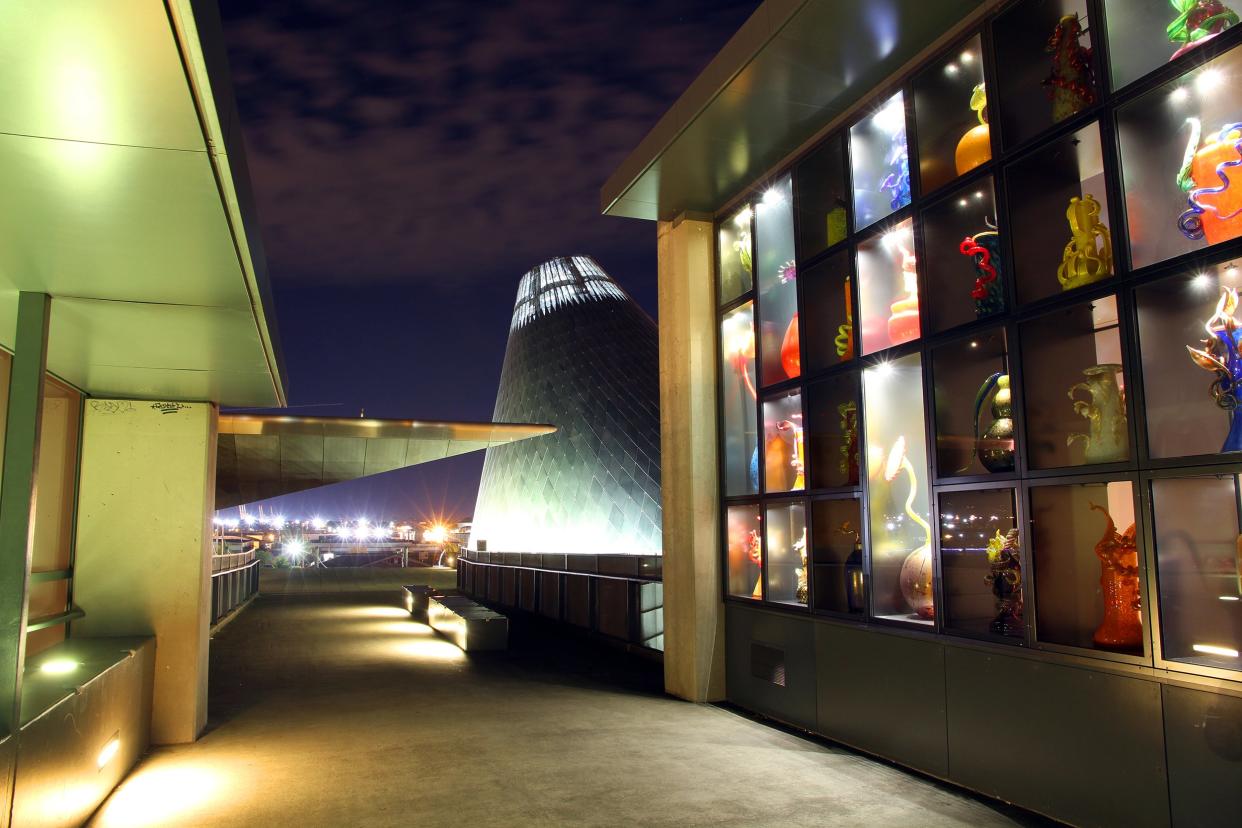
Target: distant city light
{"x":295,"y":548}
{"x":437,"y":533}
{"x":318,"y":523}
{"x":278,"y":522}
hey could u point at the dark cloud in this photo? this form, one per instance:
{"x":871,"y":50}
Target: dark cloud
{"x":412,"y":160}
{"x":452,"y":142}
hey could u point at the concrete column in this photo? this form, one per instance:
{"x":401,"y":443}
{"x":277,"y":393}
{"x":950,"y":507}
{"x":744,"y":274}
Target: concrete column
{"x":17,"y":504}
{"x":146,"y":495}
{"x":693,"y":611}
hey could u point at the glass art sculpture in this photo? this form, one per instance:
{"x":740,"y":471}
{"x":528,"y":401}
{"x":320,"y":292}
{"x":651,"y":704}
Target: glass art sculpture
{"x":975,"y":147}
{"x":1085,"y":261}
{"x":984,"y":248}
{"x":916,"y":571}
{"x":739,"y":349}
{"x":1005,"y":579}
{"x":995,"y":447}
{"x":1106,"y":439}
{"x":903,"y":321}
{"x":855,"y":594}
{"x":1122,"y":625}
{"x":1197,"y":22}
{"x":800,"y":592}
{"x":1071,"y":84}
{"x":897,"y":182}
{"x":844,"y":340}
{"x":791,"y":352}
{"x":1215,"y":202}
{"x":754,"y":551}
{"x":1220,"y":355}
{"x":849,"y":464}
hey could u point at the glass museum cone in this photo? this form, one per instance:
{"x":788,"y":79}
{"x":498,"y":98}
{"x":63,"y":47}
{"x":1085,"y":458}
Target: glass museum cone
{"x":916,"y":571}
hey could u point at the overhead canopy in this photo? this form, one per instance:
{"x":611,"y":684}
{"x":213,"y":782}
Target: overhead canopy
{"x":791,"y":69}
{"x":126,"y":198}
{"x":265,"y":456}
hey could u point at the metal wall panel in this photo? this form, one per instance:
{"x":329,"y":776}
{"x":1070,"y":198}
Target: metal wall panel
{"x":791,"y":637}
{"x":578,"y":600}
{"x":508,"y":587}
{"x":1083,"y":746}
{"x":884,"y":694}
{"x":612,"y":608}
{"x":1203,"y":739}
{"x":550,"y":595}
{"x":527,"y":599}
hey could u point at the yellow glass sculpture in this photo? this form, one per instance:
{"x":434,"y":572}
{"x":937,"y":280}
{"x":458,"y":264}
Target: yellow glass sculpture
{"x":1084,"y":261}
{"x":915,"y":579}
{"x":975,"y":147}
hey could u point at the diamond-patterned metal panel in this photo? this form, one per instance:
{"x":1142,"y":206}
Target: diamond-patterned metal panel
{"x":583,"y":356}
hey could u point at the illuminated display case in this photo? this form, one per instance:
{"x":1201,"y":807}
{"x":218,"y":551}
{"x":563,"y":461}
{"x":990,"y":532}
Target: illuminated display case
{"x":1059,"y":222}
{"x":998,"y":401}
{"x":1181,"y":144}
{"x":1199,"y":569}
{"x":1088,"y":572}
{"x":779,"y":347}
{"x":951,"y":116}
{"x":1048,"y":72}
{"x":788,"y":578}
{"x":880,"y":162}
{"x":740,"y":439}
{"x":888,"y":289}
{"x":897,"y":485}
{"x":784,"y":443}
{"x":963,"y":259}
{"x":837,"y":556}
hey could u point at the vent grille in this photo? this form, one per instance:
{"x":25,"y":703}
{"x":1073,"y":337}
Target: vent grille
{"x":767,"y":663}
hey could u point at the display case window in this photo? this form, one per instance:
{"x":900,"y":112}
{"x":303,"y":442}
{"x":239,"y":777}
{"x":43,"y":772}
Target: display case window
{"x":880,"y":162}
{"x":832,"y":431}
{"x":739,"y":401}
{"x":981,"y":563}
{"x":897,"y":495}
{"x":1073,"y":387}
{"x":827,"y":295}
{"x":1045,"y":66}
{"x":1192,"y":396}
{"x":823,"y":199}
{"x":964,"y":260}
{"x":744,"y":551}
{"x":784,"y":444}
{"x":780,"y":348}
{"x":1058,"y":217}
{"x":736,"y":252}
{"x":788,"y":577}
{"x":975,"y":426}
{"x":1088,"y":573}
{"x":888,"y":289}
{"x":951,"y":117}
{"x":837,"y":556}
{"x":1181,"y":147}
{"x":1147,"y":34}
{"x":1199,"y":569}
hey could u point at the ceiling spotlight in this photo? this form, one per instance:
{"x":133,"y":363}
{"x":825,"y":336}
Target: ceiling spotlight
{"x":1209,"y":80}
{"x":967,"y":57}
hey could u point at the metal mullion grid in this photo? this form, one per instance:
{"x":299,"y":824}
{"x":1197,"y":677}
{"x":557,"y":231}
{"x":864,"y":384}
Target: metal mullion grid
{"x":1032,"y":618}
{"x":1152,"y":593}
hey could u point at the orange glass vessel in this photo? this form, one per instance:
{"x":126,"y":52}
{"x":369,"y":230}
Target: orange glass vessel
{"x":1122,"y":626}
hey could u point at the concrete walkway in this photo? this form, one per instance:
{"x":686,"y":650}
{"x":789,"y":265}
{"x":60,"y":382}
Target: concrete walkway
{"x":331,"y":707}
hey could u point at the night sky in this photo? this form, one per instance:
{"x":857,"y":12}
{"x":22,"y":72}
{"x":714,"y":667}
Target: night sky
{"x":411,"y":161}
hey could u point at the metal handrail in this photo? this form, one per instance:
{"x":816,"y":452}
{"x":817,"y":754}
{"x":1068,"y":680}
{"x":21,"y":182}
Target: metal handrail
{"x":221,"y":564}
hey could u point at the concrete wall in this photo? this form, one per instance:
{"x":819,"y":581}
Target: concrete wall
{"x":693,"y":614}
{"x":142,"y":565}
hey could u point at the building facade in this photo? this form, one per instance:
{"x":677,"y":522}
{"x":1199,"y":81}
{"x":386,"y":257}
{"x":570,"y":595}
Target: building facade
{"x":582,"y":356}
{"x":967,"y":501}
